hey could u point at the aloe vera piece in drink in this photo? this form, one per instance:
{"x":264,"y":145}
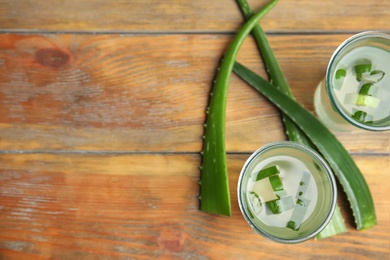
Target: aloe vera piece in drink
{"x":267,"y":172}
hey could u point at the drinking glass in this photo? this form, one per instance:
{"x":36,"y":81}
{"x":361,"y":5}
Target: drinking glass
{"x":287,"y":192}
{"x":356,"y":89}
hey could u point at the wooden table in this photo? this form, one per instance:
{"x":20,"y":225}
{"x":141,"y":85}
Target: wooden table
{"x":102,"y":105}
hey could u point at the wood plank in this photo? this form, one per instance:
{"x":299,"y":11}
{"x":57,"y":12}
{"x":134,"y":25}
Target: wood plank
{"x":191,"y":16}
{"x":145,"y":206}
{"x":147,"y":93}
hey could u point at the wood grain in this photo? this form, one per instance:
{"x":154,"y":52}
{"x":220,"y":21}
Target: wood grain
{"x":145,"y":206}
{"x":190,"y":16}
{"x":147,"y":93}
{"x":102,"y":105}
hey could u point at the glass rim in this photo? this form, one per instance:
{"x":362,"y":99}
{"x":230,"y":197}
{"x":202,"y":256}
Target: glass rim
{"x":328,"y":171}
{"x":335,"y":104}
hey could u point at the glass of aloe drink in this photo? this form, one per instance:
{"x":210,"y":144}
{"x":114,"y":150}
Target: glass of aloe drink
{"x":287,"y":192}
{"x":356,"y":88}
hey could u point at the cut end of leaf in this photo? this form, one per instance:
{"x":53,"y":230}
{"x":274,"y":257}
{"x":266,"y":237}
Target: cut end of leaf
{"x":336,"y":226}
{"x":214,"y":210}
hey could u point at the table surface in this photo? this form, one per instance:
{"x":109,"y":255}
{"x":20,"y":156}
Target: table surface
{"x":102,"y":106}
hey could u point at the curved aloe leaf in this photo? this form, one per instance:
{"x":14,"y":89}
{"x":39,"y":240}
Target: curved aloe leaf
{"x":333,"y":151}
{"x":214,"y":190}
{"x":294,"y":133}
{"x":275,"y":73}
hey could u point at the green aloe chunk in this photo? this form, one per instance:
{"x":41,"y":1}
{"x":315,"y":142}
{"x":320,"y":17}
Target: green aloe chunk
{"x":292,"y":225}
{"x":256,"y":202}
{"x":364,"y":66}
{"x":365,"y":73}
{"x":276,"y":183}
{"x":267,"y":172}
{"x":374,"y":76}
{"x":298,"y":214}
{"x":361,"y":100}
{"x":366,"y":89}
{"x":366,"y":100}
{"x":362,"y":116}
{"x":340,"y":73}
{"x":273,"y":207}
{"x":343,"y":166}
{"x":214,"y":184}
{"x":255,"y":194}
{"x":339,"y":78}
{"x":280,"y":205}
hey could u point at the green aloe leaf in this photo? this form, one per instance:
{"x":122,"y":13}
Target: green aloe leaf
{"x":278,"y":79}
{"x":343,"y":166}
{"x":214,"y":183}
{"x":275,"y":73}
